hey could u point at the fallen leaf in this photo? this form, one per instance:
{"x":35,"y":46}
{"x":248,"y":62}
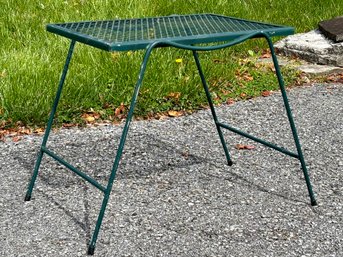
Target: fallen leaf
{"x":161,"y":116}
{"x":68,"y":125}
{"x":25,"y":131}
{"x":89,"y":119}
{"x":230,"y":101}
{"x":245,"y":76}
{"x":173,"y":113}
{"x":16,"y":139}
{"x":226,"y":92}
{"x":119,"y":110}
{"x":217,"y":99}
{"x":336,"y":77}
{"x":244,"y":147}
{"x":266,"y":54}
{"x":90,"y":116}
{"x":174,"y":95}
{"x":39,"y":131}
{"x":248,"y":77}
{"x":266,"y":93}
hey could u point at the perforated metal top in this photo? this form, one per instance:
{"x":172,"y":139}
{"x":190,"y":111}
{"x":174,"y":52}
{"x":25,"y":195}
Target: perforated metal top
{"x":131,"y":34}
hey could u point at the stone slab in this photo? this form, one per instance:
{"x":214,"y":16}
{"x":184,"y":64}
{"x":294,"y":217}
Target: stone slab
{"x":315,"y":69}
{"x":303,"y":66}
{"x":313,"y":47}
{"x":332,"y":29}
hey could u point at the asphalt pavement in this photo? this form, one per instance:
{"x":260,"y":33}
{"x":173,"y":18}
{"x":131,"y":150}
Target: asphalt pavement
{"x":175,"y":195}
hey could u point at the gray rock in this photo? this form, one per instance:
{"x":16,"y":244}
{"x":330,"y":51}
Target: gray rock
{"x":332,"y":29}
{"x":313,"y":47}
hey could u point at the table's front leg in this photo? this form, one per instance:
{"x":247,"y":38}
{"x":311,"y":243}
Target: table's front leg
{"x":51,"y":119}
{"x":119,"y":153}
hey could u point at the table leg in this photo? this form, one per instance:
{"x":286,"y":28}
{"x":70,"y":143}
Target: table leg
{"x":50,"y":121}
{"x":214,"y":115}
{"x":91,"y":246}
{"x":291,"y":122}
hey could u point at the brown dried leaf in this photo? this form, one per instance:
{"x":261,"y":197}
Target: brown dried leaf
{"x":266,"y":54}
{"x":244,"y":147}
{"x":173,"y":113}
{"x":230,"y":101}
{"x":119,"y":110}
{"x":266,"y":93}
{"x":39,"y":131}
{"x":161,"y":116}
{"x":24,"y":131}
{"x":248,"y":77}
{"x":226,"y":92}
{"x":16,"y":139}
{"x":174,"y":95}
{"x":68,"y":125}
{"x":245,"y":76}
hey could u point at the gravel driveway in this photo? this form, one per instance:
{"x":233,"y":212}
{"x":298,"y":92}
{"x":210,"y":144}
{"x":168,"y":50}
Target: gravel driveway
{"x":175,"y":195}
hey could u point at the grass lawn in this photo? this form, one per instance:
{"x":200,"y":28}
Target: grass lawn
{"x":99,"y":82}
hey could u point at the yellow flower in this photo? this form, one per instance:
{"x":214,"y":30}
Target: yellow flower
{"x":179,"y":60}
{"x":115,"y":56}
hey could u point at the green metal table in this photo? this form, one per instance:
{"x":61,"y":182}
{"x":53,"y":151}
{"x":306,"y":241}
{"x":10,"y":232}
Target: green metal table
{"x":179,"y":31}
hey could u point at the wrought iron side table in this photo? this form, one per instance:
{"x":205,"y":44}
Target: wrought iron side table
{"x":179,"y":31}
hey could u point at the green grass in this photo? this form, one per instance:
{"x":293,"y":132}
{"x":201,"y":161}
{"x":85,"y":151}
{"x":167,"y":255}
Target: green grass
{"x":32,"y":59}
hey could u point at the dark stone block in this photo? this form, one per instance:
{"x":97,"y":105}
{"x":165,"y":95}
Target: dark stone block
{"x":332,"y":29}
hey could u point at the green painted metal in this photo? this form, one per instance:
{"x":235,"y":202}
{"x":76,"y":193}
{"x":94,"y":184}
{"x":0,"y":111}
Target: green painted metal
{"x":256,"y":139}
{"x":133,"y":34}
{"x":214,"y":115}
{"x":291,"y":120}
{"x":73,"y":169}
{"x":51,"y":119}
{"x":184,"y":31}
{"x":92,"y":243}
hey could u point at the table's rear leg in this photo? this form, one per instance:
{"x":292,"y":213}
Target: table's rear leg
{"x":119,"y":153}
{"x":214,"y":115}
{"x":291,"y":121}
{"x":50,"y":121}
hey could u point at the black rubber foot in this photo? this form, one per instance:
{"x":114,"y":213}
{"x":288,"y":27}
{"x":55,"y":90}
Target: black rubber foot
{"x":27,"y":198}
{"x":91,"y":250}
{"x":314,"y":203}
{"x":229,"y":163}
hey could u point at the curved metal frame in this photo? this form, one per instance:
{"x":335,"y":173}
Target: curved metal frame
{"x":107,"y":190}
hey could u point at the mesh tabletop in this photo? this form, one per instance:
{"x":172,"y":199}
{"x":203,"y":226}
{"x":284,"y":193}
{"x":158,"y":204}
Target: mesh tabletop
{"x":132,"y":34}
